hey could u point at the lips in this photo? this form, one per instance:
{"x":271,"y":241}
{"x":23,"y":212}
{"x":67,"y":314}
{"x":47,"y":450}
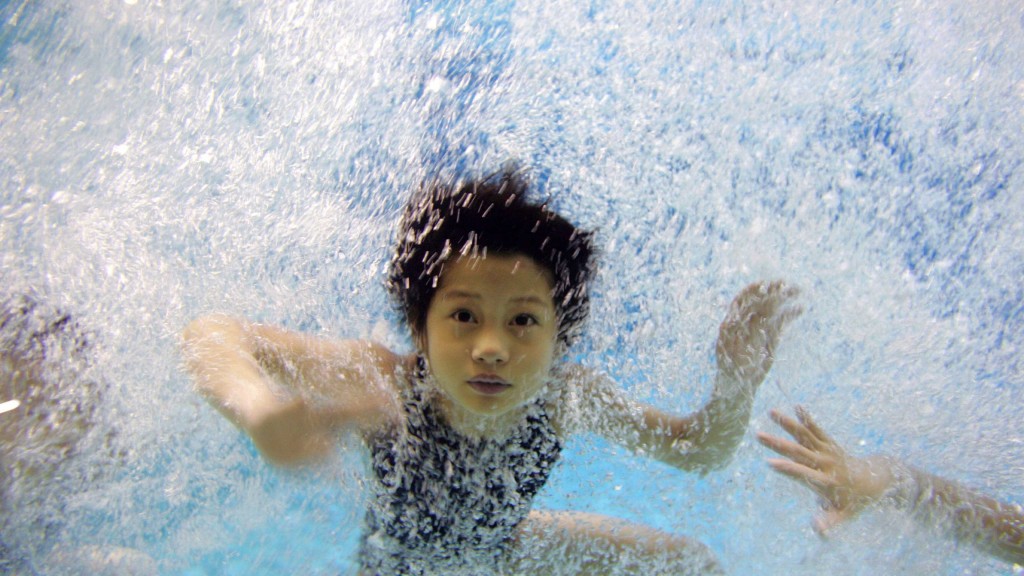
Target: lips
{"x":488,"y":385}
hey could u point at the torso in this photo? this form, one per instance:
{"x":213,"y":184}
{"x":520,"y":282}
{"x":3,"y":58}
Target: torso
{"x":443,"y":501}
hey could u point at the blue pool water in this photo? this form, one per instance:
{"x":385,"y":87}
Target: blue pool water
{"x":160,"y":160}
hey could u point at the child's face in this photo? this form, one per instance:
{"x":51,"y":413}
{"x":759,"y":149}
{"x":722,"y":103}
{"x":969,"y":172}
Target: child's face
{"x":491,"y":333}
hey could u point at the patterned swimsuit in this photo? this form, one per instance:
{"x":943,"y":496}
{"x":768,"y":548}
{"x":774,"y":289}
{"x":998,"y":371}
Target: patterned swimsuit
{"x":445,"y":503}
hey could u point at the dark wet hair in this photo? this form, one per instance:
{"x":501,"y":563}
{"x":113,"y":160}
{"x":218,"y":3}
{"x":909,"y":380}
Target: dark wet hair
{"x":489,"y":216}
{"x":31,"y":330}
{"x":52,"y":353}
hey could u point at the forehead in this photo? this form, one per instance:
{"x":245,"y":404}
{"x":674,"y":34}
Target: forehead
{"x":498,"y":272}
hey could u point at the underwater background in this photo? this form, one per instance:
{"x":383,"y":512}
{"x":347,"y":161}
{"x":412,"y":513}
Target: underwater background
{"x":160,"y":160}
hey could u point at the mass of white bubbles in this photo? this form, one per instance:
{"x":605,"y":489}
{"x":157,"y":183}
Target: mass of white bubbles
{"x":160,"y":160}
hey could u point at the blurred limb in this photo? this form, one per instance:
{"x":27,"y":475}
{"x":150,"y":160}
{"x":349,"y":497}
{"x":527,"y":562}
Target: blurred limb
{"x":100,"y":561}
{"x":848,"y":484}
{"x":296,"y":432}
{"x":580,"y":543}
{"x":291,"y":392}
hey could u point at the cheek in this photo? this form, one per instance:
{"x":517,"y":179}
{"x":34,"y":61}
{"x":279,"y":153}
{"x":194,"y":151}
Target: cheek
{"x":542,"y":358}
{"x":443,"y":348}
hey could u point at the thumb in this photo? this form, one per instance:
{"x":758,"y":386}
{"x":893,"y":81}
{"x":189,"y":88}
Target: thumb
{"x":828,"y":519}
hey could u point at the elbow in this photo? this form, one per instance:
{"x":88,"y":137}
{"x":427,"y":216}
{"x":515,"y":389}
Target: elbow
{"x":294,"y":461}
{"x":705,"y":450}
{"x":703,"y":461}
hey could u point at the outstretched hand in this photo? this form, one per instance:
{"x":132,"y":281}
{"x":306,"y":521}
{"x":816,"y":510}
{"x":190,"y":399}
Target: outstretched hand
{"x":750,"y":332}
{"x":845,"y":483}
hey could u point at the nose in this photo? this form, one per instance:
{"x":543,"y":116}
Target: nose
{"x":489,"y":347}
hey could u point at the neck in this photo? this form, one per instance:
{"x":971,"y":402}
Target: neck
{"x":474,"y":425}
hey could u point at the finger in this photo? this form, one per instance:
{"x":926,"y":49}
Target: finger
{"x":777,"y":308}
{"x":788,"y":314}
{"x":830,"y":518}
{"x":779,"y":319}
{"x":762,"y":300}
{"x":787,"y":291}
{"x":778,"y":289}
{"x":755,"y":296}
{"x":796,"y":429}
{"x":758,"y":298}
{"x":791,"y":426}
{"x":740,"y":309}
{"x":812,"y":426}
{"x":814,"y":479}
{"x":791,"y":450}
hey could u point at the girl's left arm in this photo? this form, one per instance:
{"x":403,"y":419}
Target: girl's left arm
{"x":848,"y":484}
{"x":706,"y":439}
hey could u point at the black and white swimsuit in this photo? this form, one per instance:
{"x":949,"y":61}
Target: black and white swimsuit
{"x":446,"y":503}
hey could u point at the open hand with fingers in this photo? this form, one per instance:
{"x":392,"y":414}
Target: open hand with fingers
{"x":748,"y":336}
{"x":845,"y":483}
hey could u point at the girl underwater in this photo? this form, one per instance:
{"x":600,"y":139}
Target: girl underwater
{"x":464,"y":431}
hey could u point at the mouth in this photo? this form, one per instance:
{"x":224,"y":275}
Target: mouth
{"x":488,"y":385}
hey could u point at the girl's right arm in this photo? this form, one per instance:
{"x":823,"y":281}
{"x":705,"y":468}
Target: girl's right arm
{"x":290,"y":391}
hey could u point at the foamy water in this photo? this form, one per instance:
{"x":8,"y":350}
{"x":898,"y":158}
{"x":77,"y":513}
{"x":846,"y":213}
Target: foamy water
{"x":161,"y":160}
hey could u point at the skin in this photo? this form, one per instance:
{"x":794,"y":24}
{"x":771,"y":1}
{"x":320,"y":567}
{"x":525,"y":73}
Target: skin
{"x":491,"y":319}
{"x":848,"y":485}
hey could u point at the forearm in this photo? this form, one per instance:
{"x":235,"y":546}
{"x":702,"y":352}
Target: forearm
{"x":723,"y":421}
{"x":699,"y":442}
{"x":706,"y":439}
{"x":993,"y":526}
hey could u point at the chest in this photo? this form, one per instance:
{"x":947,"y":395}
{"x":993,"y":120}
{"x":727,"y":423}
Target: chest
{"x":435,"y":482}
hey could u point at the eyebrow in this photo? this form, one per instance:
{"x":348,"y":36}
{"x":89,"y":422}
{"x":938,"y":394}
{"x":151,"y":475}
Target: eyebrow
{"x":456,"y":293}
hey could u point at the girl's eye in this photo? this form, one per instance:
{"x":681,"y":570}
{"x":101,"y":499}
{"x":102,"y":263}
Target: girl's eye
{"x":463,"y":316}
{"x":524,"y":320}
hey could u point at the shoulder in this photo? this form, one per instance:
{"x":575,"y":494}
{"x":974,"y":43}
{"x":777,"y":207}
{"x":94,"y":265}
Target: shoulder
{"x":373,"y":353}
{"x":576,"y":397}
{"x":589,"y":401}
{"x":396,"y":388}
